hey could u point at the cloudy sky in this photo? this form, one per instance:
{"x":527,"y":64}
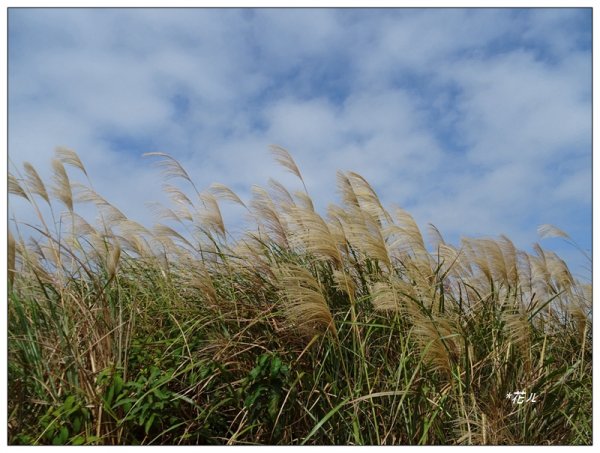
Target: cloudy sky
{"x":476,"y":120}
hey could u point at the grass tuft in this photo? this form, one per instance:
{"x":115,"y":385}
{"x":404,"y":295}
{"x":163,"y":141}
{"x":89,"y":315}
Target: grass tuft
{"x":307,"y":329}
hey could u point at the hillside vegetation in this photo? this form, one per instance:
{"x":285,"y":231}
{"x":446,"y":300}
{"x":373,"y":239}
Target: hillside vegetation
{"x":344,"y":329}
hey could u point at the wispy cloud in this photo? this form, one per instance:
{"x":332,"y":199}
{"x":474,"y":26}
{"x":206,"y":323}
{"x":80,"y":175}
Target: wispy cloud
{"x":477,"y":120}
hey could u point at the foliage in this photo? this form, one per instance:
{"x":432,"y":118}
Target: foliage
{"x":309,"y":329}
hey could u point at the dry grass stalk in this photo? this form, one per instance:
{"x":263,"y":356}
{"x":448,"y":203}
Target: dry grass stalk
{"x":200,"y":279}
{"x":108,"y":212}
{"x":347,"y":191}
{"x":344,"y":283}
{"x":368,"y":199}
{"x":313,"y":234}
{"x":281,"y":195}
{"x":15,"y":188}
{"x":385,"y":297}
{"x":509,"y":252}
{"x":517,"y":329}
{"x":70,"y":157}
{"x":171,"y":168}
{"x":112,"y":262}
{"x":303,"y":300}
{"x":304,"y":200}
{"x":62,"y":186}
{"x":411,"y":230}
{"x":211,"y":215}
{"x":177,"y":196}
{"x":81,"y":227}
{"x":559,"y":272}
{"x":364,"y":234}
{"x":283,"y":157}
{"x":34,"y":182}
{"x":164,"y":213}
{"x":550,"y":231}
{"x":266,"y":215}
{"x":223,"y":192}
{"x":435,"y":236}
{"x":439,"y":338}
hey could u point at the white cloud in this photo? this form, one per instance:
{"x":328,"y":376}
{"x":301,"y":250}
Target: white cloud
{"x":519,"y":108}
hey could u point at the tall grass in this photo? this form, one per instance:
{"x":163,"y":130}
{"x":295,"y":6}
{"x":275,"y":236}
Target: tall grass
{"x":308,"y":329}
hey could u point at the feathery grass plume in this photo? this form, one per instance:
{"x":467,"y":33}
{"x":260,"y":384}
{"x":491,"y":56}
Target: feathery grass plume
{"x":282,"y":195}
{"x":580,"y":309}
{"x":34,"y":182}
{"x":15,"y":188}
{"x":81,"y":227}
{"x":450,"y":263}
{"x":84,"y":194}
{"x":33,"y":256}
{"x":211,"y":215}
{"x":364,"y":234}
{"x":201,"y":279}
{"x":344,"y":283}
{"x":223,"y":192}
{"x":303,"y":300}
{"x":509,"y":252}
{"x":524,"y":272}
{"x":313,"y":234}
{"x":336,"y":226}
{"x":112,"y":261}
{"x":110,"y":213}
{"x":375,"y":244}
{"x":130,"y":227}
{"x":541,"y":275}
{"x":346,"y":189}
{"x":368,"y":198}
{"x":70,"y":157}
{"x":451,"y":271}
{"x":163,"y":213}
{"x":138,"y":245}
{"x":408,"y":236}
{"x":265,"y":214}
{"x":171,"y":168}
{"x":387,"y":296}
{"x":495,"y":259}
{"x":475,"y":253}
{"x":550,"y":231}
{"x":283,"y":158}
{"x":47,"y":251}
{"x":165,"y":233}
{"x":133,"y":235}
{"x":422,"y":286}
{"x":164,"y":245}
{"x":582,"y":297}
{"x":252,"y":250}
{"x":435,"y":236}
{"x":83,"y":237}
{"x":62,"y":186}
{"x":559,"y":272}
{"x":440,"y":340}
{"x":304,"y":200}
{"x":518,"y":332}
{"x":177,"y":196}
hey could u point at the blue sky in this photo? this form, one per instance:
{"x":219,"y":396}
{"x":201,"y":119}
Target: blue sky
{"x":476,"y":120}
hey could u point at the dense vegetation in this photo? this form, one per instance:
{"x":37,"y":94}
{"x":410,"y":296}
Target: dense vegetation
{"x":344,"y":329}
